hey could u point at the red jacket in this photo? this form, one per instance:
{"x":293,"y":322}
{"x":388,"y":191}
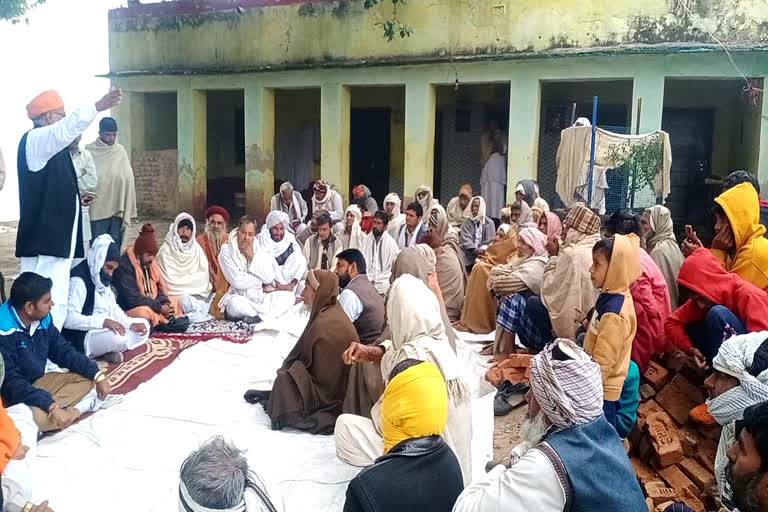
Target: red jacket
{"x":652,"y":306}
{"x":702,"y":273}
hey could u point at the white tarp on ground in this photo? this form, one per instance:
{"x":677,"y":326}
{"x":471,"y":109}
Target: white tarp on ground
{"x":127,"y":457}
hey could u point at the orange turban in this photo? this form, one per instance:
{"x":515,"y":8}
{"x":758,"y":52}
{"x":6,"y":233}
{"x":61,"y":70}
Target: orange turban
{"x":44,"y":103}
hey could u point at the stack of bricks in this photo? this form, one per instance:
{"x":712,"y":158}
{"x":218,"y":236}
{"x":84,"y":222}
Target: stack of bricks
{"x":515,"y":369}
{"x":673,"y":457}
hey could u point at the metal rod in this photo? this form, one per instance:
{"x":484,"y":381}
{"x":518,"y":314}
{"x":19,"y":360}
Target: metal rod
{"x":592,"y":153}
{"x":639,"y":112}
{"x":573,"y":114}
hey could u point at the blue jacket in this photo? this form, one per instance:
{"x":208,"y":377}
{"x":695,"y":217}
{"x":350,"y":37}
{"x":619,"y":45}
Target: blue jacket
{"x":25,"y":356}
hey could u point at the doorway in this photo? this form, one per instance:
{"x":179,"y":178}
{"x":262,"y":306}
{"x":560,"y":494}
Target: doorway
{"x":369,"y":154}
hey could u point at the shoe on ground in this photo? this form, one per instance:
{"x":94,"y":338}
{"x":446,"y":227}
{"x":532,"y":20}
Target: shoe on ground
{"x":500,"y":406}
{"x":256,"y":396}
{"x":252,"y":320}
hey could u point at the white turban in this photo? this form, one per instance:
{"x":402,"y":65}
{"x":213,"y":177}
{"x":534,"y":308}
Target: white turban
{"x":568,"y":389}
{"x":278,"y":217}
{"x":393,"y":198}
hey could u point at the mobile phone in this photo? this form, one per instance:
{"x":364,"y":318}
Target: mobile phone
{"x":689,"y":232}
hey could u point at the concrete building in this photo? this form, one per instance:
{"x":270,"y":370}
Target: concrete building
{"x":226,"y":98}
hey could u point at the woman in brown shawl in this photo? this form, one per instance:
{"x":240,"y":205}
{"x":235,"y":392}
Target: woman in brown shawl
{"x":309,"y":389}
{"x":479,"y":312}
{"x":449,"y":266}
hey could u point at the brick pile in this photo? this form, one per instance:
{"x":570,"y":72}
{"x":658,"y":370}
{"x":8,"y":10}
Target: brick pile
{"x":672,"y":456}
{"x":516,"y":369}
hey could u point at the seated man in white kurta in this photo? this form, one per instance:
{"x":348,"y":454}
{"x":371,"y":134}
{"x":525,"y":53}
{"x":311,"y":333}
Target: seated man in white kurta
{"x":184,"y":266}
{"x":254,"y":295}
{"x":287,"y":258}
{"x":95,"y":324}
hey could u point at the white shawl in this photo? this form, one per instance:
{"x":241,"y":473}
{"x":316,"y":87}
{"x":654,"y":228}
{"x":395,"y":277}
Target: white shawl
{"x":354,"y":239}
{"x":379,"y":258}
{"x":115,"y":189}
{"x":184,"y":265}
{"x":412,"y":241}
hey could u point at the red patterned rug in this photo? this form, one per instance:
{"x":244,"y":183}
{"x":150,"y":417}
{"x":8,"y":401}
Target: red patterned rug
{"x":146,"y":361}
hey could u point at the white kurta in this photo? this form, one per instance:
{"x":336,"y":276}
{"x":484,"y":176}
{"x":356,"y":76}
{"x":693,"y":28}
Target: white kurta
{"x":42,"y":144}
{"x":493,"y":184}
{"x":246,"y":296}
{"x":294,"y":268}
{"x":530,"y":484}
{"x":87,"y":180}
{"x":379,"y":256}
{"x":98,"y":340}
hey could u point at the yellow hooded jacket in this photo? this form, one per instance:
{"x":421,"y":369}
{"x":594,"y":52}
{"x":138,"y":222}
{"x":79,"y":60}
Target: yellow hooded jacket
{"x":750,"y":259}
{"x":613,"y":325}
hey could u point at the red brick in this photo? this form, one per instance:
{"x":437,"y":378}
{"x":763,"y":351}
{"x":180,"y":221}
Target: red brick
{"x":656,"y":375}
{"x":664,"y":439}
{"x":644,"y":472}
{"x":520,"y":360}
{"x":705,"y":454}
{"x":527,"y":373}
{"x":677,"y":360}
{"x":653,"y":484}
{"x":646,"y":409}
{"x":676,"y":402}
{"x":696,"y":393}
{"x":678,"y":481}
{"x":697,"y":473}
{"x":690,"y":439}
{"x":687,"y":497}
{"x":661,"y":495}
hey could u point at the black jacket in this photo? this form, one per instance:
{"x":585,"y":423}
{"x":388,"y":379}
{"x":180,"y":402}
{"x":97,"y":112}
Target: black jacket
{"x":418,"y":475}
{"x":127,"y":288}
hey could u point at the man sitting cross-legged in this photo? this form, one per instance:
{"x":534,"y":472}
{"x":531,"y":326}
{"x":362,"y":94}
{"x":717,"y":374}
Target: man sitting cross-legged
{"x":285,"y":263}
{"x":253,"y":294}
{"x":28,"y":340}
{"x":95,"y":324}
{"x":565,"y":426}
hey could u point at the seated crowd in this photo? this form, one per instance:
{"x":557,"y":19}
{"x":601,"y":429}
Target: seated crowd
{"x":378,"y":364}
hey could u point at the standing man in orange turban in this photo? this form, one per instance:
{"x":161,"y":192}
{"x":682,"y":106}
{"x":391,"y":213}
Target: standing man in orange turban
{"x":50,"y":234}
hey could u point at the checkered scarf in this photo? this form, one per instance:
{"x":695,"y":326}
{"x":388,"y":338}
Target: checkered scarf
{"x":569,"y":390}
{"x":583,"y":220}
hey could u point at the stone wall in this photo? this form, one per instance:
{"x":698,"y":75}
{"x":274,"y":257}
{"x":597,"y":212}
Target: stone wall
{"x":156,"y":177}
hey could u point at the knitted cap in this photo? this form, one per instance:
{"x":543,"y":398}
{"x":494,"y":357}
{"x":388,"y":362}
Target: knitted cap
{"x":146,"y":241}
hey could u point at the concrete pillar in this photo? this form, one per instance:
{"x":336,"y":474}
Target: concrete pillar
{"x":419,"y":136}
{"x":259,"y":149}
{"x":335,"y":102}
{"x":193,"y":151}
{"x":130,"y":122}
{"x":524,"y":115}
{"x":762,"y":158}
{"x":650,"y":87}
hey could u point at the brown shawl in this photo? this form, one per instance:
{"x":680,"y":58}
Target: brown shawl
{"x":213,"y":259}
{"x":156,"y":279}
{"x":479,"y":313}
{"x":310,"y":386}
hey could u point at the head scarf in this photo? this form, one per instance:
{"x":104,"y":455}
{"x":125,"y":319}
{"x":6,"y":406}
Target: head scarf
{"x":539,"y":207}
{"x":530,"y":190}
{"x":325,"y":203}
{"x":102,"y":250}
{"x":554,"y":226}
{"x":534,"y":238}
{"x":421,"y":336}
{"x":286,"y":186}
{"x":415,"y":404}
{"x":480,"y":217}
{"x":356,"y":234}
{"x":661,"y":225}
{"x":414,"y":261}
{"x":361,"y":192}
{"x":326,"y":286}
{"x":393,"y":198}
{"x":744,"y":357}
{"x":438,"y":220}
{"x":43,"y":103}
{"x":525,"y":216}
{"x":583,"y":220}
{"x":184,"y":265}
{"x":425,"y":203}
{"x":264,"y":237}
{"x":214,"y":210}
{"x":570,"y":391}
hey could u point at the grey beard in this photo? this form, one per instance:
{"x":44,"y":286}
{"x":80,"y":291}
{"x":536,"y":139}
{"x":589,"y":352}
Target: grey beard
{"x":532,"y":431}
{"x":214,"y":237}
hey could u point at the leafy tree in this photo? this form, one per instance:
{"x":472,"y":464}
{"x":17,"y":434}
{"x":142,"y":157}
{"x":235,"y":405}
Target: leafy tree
{"x":16,"y":10}
{"x":392,"y":26}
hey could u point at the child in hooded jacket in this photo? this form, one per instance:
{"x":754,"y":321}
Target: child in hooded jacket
{"x":612,"y":327}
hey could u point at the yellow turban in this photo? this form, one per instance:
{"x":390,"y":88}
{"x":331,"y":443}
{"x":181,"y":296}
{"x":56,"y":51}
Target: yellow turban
{"x":43,"y":103}
{"x":415,"y":404}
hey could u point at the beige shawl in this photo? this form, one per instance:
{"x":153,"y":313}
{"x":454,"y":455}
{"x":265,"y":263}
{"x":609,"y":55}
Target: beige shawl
{"x":116,"y":190}
{"x":663,"y":248}
{"x":184,"y":265}
{"x":566,"y":288}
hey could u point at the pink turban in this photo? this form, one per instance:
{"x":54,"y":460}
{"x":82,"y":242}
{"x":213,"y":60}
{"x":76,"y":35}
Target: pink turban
{"x":534,"y":238}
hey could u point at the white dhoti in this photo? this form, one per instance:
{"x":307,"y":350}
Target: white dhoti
{"x":19,"y":475}
{"x":196,"y":309}
{"x":103,"y":341}
{"x":56,"y":269}
{"x":271,"y":306}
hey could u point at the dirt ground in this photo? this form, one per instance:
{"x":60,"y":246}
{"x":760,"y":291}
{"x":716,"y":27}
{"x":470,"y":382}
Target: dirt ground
{"x":507,"y":428}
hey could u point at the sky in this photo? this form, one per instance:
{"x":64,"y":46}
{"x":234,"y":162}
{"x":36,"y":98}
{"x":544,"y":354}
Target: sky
{"x":63,"y":47}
